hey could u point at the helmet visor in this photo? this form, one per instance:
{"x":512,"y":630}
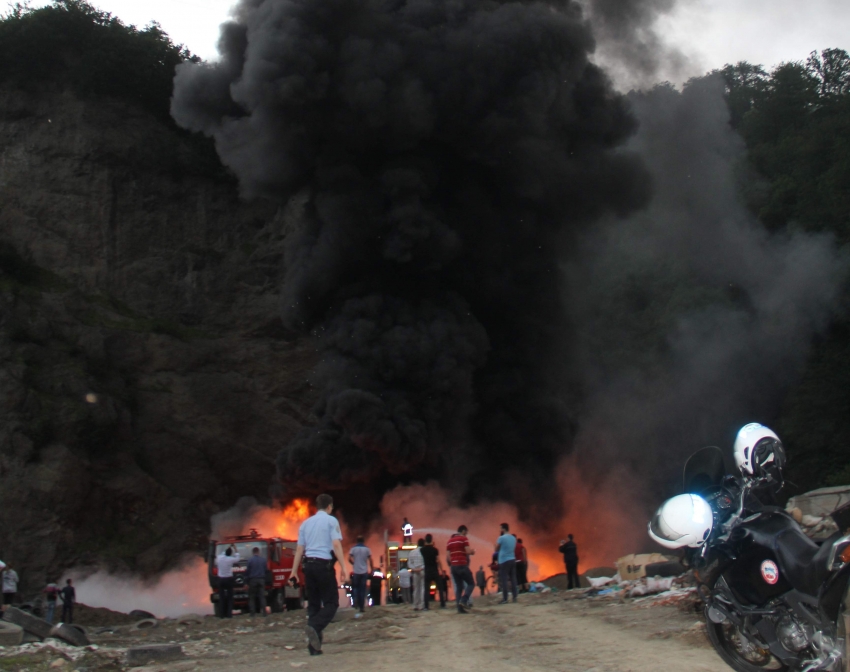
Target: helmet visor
{"x":656,"y":528}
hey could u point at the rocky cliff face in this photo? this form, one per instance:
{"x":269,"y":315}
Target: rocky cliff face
{"x":145,"y":380}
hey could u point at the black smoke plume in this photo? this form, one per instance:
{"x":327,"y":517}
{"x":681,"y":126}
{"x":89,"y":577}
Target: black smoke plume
{"x":446,"y":152}
{"x":630,"y":43}
{"x":692,"y":319}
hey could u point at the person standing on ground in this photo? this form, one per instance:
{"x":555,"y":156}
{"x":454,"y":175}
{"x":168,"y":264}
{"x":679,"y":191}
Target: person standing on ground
{"x":459,"y":554}
{"x":10,"y":586}
{"x":256,"y":576}
{"x":319,"y":540}
{"x":416,"y":563}
{"x":360,"y":558}
{"x":224,"y":564}
{"x":506,"y":547}
{"x":522,"y":566}
{"x":375,"y":582}
{"x":51,"y":592}
{"x":481,"y":580}
{"x":433,"y":566}
{"x":443,"y":588}
{"x":404,"y":581}
{"x":570,"y":553}
{"x":69,"y":597}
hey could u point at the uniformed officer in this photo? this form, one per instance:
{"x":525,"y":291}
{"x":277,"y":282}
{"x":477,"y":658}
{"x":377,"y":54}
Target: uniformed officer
{"x":318,"y":537}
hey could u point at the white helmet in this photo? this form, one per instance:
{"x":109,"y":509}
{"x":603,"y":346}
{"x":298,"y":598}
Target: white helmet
{"x":758,"y":450}
{"x":684,"y":520}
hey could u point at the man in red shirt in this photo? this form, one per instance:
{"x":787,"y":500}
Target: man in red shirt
{"x":459,"y":552}
{"x":521,"y":566}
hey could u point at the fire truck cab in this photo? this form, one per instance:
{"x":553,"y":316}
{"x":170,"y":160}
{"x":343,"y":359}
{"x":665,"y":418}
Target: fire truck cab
{"x":279,"y":554}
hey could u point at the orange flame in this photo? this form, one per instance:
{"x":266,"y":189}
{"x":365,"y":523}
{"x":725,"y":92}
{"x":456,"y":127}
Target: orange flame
{"x":290,"y":519}
{"x":284,"y":523}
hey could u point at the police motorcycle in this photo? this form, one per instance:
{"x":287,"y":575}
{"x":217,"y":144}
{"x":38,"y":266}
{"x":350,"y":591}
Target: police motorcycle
{"x":774,"y":599}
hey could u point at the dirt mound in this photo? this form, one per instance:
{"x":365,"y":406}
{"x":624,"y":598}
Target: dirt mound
{"x":99,"y":616}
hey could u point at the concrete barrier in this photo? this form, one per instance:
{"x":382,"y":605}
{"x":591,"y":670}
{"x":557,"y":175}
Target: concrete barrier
{"x":32,"y":624}
{"x":11,"y":634}
{"x":154,"y":653}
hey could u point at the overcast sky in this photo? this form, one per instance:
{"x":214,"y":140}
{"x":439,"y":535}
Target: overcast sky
{"x":711,"y":32}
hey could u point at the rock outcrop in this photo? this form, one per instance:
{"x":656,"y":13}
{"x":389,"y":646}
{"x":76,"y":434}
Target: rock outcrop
{"x":145,"y":379}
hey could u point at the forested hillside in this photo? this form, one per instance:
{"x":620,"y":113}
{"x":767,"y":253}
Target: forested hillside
{"x":795,"y":120}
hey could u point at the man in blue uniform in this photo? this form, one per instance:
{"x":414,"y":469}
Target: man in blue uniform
{"x":319,"y":540}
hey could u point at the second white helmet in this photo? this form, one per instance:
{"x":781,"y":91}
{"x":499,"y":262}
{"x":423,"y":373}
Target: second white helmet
{"x":757,"y":450}
{"x":684,"y":520}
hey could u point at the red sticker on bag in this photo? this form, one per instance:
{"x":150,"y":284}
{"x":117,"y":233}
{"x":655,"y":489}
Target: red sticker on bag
{"x":770,"y":572}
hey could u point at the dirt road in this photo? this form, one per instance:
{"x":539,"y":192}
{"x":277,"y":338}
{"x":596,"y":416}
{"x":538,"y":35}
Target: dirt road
{"x":540,"y":632}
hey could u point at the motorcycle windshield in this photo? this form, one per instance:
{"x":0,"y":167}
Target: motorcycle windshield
{"x":703,"y":471}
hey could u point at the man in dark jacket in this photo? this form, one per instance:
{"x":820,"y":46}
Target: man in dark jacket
{"x":570,"y":553}
{"x":255,"y":574}
{"x":69,"y":596}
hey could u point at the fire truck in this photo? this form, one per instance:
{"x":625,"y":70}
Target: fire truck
{"x":397,"y":555}
{"x":278,"y":552}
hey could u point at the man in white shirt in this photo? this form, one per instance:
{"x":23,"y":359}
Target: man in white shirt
{"x":416,"y":564}
{"x":10,"y":586}
{"x":319,"y":540}
{"x":224,"y":563}
{"x":404,"y":584}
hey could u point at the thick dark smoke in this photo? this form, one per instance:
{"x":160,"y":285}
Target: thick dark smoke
{"x":693,"y":319}
{"x":631,"y":43}
{"x":446,"y":152}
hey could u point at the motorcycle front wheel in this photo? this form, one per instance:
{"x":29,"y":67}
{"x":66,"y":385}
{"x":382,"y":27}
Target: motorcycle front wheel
{"x":737,"y":651}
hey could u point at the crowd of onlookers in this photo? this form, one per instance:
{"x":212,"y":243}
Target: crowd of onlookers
{"x":51,"y":595}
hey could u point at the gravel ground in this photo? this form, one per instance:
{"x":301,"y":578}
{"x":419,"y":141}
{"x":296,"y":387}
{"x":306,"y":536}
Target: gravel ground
{"x":558,"y":630}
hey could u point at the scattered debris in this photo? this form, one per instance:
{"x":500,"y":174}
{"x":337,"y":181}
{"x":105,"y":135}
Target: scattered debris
{"x":145,"y":624}
{"x":10,"y":634}
{"x":73,"y":634}
{"x":154,"y":653}
{"x":140,"y":613}
{"x":32,"y":624}
{"x":812,"y":510}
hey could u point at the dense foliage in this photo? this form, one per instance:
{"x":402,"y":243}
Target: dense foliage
{"x":795,"y":121}
{"x":74,"y":44}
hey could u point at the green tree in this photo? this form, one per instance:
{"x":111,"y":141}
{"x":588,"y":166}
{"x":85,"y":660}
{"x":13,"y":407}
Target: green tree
{"x":72,"y":44}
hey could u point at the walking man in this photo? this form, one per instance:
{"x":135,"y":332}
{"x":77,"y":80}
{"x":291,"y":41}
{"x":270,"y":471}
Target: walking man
{"x":10,"y":586}
{"x":570,"y":553}
{"x":433,"y":566}
{"x":481,"y":580}
{"x":256,"y":576}
{"x":416,"y":563}
{"x":459,"y":553}
{"x":319,"y":541}
{"x":69,"y":596}
{"x":360,"y":558}
{"x":506,"y":547}
{"x":224,"y":563}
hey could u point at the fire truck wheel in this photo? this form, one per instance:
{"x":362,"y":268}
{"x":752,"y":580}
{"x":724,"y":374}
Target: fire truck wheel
{"x":276,"y":601}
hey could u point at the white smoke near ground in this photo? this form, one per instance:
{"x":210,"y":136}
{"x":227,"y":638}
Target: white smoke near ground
{"x":181,"y":591}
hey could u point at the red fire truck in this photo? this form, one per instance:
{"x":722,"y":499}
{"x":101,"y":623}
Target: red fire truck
{"x":278,"y":552}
